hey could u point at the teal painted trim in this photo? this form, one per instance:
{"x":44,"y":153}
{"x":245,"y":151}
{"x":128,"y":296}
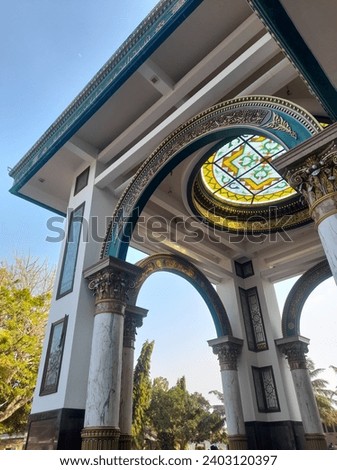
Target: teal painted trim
{"x":279,"y":23}
{"x":151,"y":33}
{"x":37,"y":203}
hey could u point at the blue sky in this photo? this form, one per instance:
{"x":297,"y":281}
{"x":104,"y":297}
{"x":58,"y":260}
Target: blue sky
{"x":49,"y":51}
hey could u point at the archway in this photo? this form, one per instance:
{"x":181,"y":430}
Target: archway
{"x":182,"y":267}
{"x":298,"y":295}
{"x":281,"y":119}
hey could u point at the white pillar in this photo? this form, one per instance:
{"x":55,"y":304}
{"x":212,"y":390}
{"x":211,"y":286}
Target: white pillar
{"x":315,"y":177}
{"x":105,"y":371}
{"x":295,"y":349}
{"x":327,"y":231}
{"x":133,"y":320}
{"x":110,"y":280}
{"x":228,"y":349}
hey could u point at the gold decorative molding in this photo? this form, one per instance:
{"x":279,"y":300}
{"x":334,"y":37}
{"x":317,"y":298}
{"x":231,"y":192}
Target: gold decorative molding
{"x":237,"y":442}
{"x":100,"y":438}
{"x":315,"y":442}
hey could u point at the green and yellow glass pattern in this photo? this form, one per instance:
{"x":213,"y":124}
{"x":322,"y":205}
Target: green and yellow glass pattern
{"x":241,"y":172}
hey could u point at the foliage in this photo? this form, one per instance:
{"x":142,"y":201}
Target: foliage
{"x":25,"y":294}
{"x":178,"y":417}
{"x":325,"y":398}
{"x":141,"y":394}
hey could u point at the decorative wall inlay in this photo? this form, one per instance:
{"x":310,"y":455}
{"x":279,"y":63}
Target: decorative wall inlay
{"x":253,"y":319}
{"x":252,"y":112}
{"x":68,"y":268}
{"x":182,"y":267}
{"x":265,"y":389}
{"x":298,"y":295}
{"x":53,"y":361}
{"x":315,"y":177}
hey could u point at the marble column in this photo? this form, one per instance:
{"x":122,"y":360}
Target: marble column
{"x":228,"y":348}
{"x":295,"y":350}
{"x":110,"y":280}
{"x":315,"y":177}
{"x":133,"y":319}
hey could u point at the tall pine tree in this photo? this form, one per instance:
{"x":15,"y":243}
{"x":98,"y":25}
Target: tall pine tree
{"x":141,"y":394}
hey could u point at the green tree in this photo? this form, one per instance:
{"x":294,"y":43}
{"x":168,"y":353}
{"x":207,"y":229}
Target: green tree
{"x":325,"y":398}
{"x":25,"y":294}
{"x":141,"y":395}
{"x":179,"y":417}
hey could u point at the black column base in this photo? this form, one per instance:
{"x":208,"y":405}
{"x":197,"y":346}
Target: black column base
{"x":279,"y":435}
{"x":55,"y":430}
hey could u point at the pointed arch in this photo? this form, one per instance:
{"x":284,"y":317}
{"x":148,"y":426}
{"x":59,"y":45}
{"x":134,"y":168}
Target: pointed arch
{"x":183,"y":268}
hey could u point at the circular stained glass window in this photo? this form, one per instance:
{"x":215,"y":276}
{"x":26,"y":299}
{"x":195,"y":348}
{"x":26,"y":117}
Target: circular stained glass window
{"x":242,"y":172}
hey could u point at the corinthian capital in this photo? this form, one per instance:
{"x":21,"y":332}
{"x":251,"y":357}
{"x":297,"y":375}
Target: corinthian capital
{"x":315,"y":177}
{"x":228,"y":350}
{"x":111,"y":280}
{"x":295,"y":350}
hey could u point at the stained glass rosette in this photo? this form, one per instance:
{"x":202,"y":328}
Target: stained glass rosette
{"x":241,"y":172}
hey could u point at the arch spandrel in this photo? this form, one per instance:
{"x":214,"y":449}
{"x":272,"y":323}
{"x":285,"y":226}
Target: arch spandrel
{"x":276,"y":117}
{"x":183,"y":268}
{"x":298,"y":295}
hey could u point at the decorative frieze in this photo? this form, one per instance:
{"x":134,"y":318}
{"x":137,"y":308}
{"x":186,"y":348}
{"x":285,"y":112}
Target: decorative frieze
{"x":315,"y":177}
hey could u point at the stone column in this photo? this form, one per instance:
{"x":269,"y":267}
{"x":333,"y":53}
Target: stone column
{"x":295,"y":349}
{"x":133,"y":320}
{"x":110,"y":280}
{"x":228,"y":348}
{"x":315,"y":177}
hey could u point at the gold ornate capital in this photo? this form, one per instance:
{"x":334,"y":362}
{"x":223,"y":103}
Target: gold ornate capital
{"x":315,"y":178}
{"x":111,"y":281}
{"x":100,"y":438}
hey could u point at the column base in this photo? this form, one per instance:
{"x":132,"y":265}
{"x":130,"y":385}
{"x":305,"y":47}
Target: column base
{"x":315,"y":442}
{"x":125,"y":442}
{"x":100,"y":438}
{"x":238,"y":442}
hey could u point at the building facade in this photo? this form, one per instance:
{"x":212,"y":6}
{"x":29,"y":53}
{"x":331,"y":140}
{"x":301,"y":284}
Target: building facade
{"x":207,"y":141}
